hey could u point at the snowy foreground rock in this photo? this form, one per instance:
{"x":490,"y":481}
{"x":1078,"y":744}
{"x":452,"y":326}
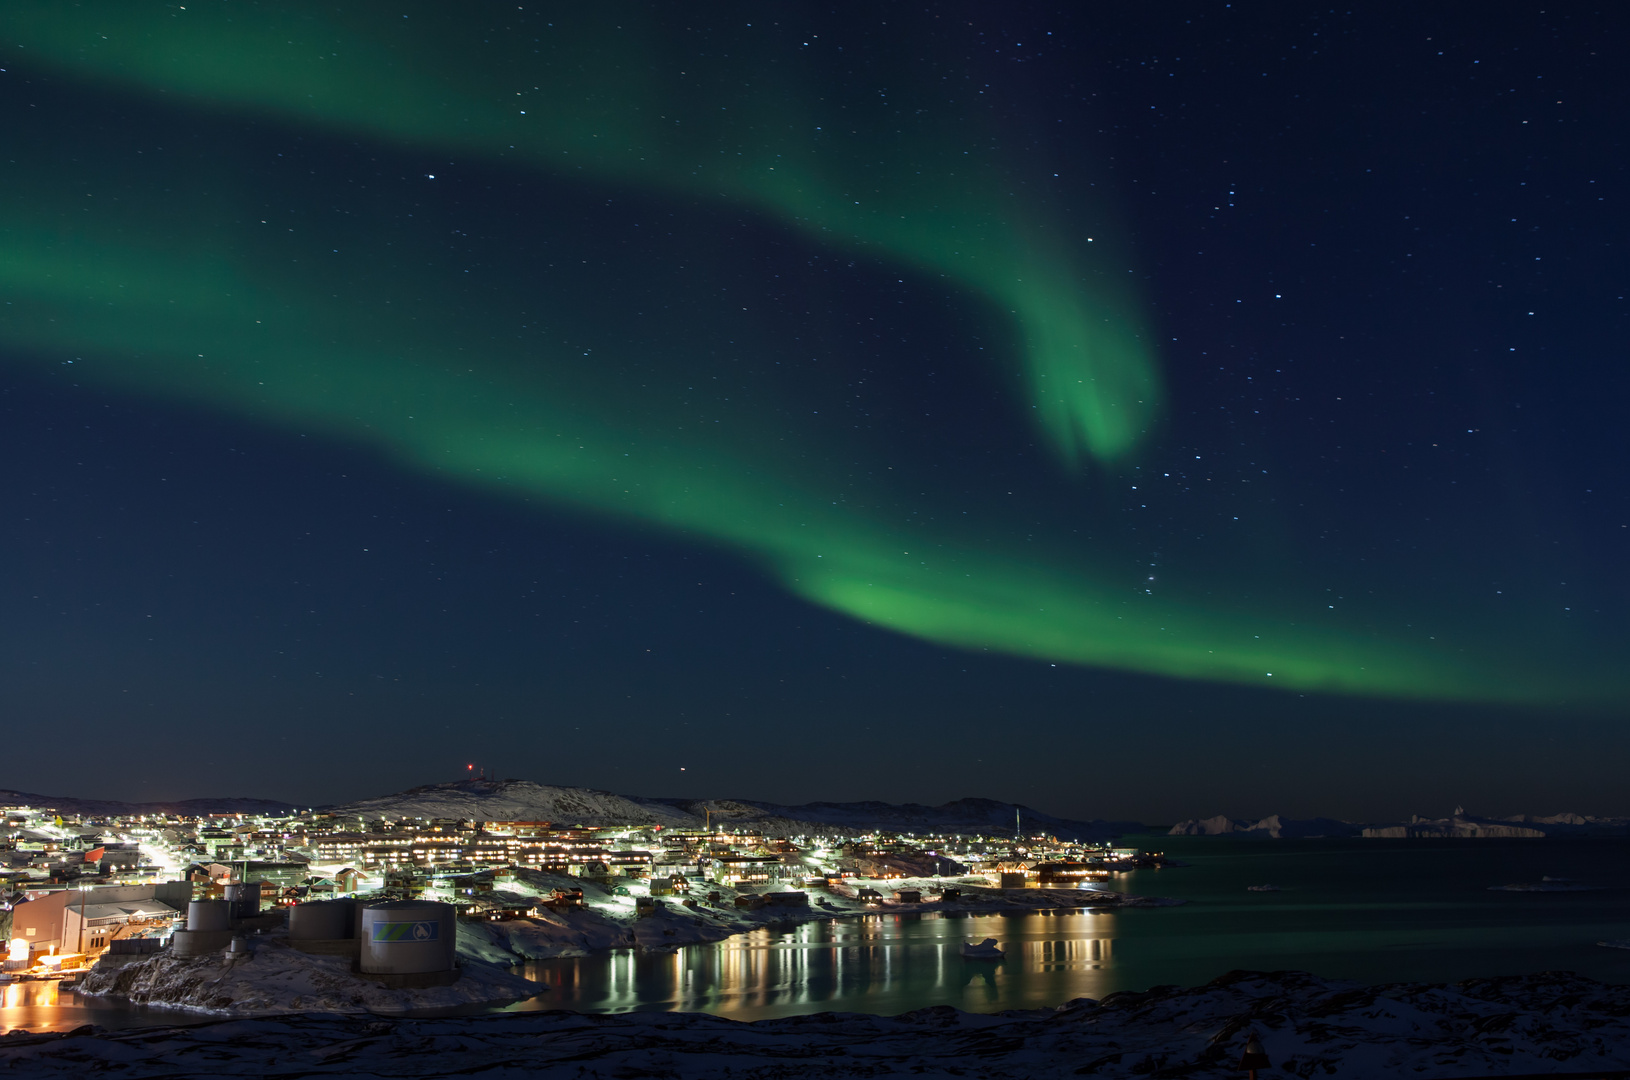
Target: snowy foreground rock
{"x":1553,"y":1022}
{"x":277,"y":978}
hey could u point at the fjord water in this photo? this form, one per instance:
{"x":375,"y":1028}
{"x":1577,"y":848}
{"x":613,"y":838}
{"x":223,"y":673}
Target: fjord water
{"x":1369,"y":910}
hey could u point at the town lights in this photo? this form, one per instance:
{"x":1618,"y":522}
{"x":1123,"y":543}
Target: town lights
{"x":19,"y":949}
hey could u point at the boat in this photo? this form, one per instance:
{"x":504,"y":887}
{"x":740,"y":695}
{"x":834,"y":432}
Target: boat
{"x":985,"y":950}
{"x":1262,"y":888}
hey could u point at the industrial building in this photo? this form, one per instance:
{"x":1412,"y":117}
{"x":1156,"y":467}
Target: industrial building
{"x":89,"y":920}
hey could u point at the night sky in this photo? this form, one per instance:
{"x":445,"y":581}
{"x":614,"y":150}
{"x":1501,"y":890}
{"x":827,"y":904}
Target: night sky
{"x":1138,"y":413}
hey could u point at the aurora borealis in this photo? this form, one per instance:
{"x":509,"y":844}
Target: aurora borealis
{"x":873,"y":309}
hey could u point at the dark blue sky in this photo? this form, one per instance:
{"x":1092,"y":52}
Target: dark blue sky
{"x":1382,"y":253}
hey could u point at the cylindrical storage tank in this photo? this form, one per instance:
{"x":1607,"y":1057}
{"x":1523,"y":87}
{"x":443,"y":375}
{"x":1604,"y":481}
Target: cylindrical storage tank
{"x":209,"y":915}
{"x":244,"y":900}
{"x":404,"y":937}
{"x":322,"y":920}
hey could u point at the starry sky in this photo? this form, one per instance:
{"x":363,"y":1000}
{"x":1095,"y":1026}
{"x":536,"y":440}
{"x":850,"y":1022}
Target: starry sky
{"x":1136,"y":414}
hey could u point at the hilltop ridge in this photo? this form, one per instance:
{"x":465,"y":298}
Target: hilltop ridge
{"x":526,"y":800}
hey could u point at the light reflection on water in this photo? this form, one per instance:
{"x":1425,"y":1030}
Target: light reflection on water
{"x":878,"y":964}
{"x":46,"y":1006}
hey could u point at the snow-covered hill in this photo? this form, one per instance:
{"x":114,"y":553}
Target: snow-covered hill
{"x":519,"y":800}
{"x":523,"y":800}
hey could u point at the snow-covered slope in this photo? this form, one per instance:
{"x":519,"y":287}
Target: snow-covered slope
{"x":1545,"y":1024}
{"x":519,"y":800}
{"x":523,"y":800}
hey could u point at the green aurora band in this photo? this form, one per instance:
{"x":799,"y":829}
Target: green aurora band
{"x":174,"y":295}
{"x":606,"y":105}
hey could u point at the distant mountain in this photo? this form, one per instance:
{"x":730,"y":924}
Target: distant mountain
{"x":1460,"y":824}
{"x":63,"y":804}
{"x":518,"y":800}
{"x":523,"y":800}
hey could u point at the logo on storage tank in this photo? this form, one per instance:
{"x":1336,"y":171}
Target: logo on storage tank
{"x":406,"y":931}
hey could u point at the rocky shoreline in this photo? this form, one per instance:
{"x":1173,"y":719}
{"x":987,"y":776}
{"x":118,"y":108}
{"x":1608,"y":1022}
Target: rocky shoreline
{"x":278,"y":978}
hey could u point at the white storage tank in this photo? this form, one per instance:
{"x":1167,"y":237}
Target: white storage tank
{"x":323,"y":920}
{"x":208,"y":929}
{"x":405,"y":937}
{"x":209,"y":915}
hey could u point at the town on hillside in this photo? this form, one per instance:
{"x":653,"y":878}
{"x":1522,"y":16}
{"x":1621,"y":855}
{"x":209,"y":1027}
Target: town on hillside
{"x":75,"y":889}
